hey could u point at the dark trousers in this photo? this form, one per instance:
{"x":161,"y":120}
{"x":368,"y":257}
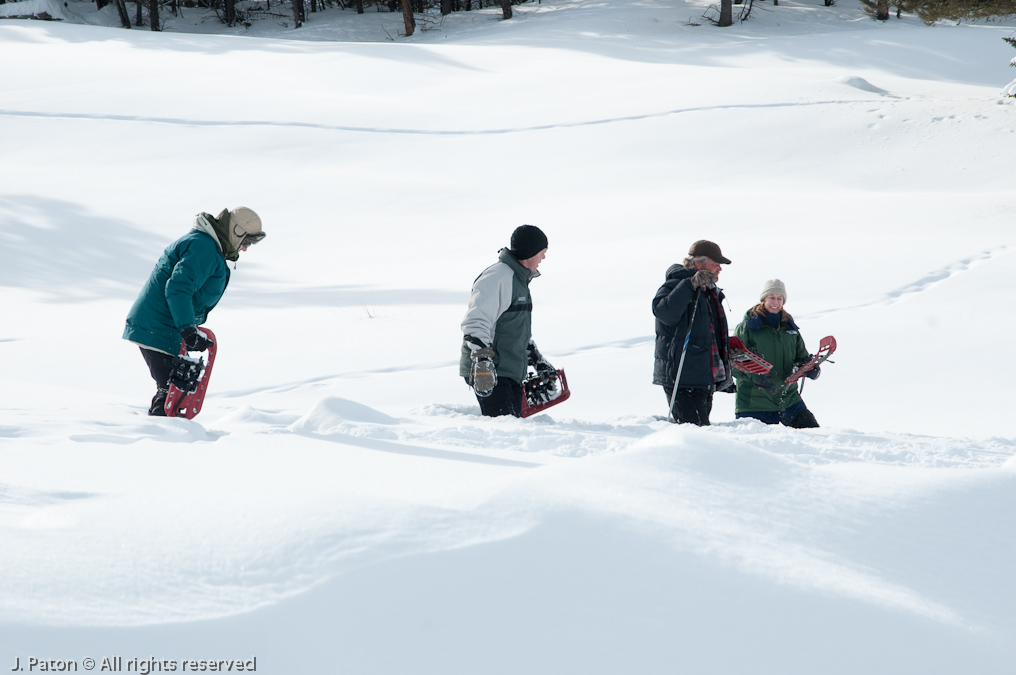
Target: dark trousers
{"x":160,"y":365}
{"x":692,"y":405}
{"x":796,"y":416}
{"x":506,"y":399}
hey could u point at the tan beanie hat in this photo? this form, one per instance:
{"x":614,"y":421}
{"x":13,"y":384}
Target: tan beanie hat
{"x":245,"y":219}
{"x":773,"y":287}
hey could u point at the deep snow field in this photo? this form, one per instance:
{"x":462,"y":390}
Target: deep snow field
{"x":340,"y":506}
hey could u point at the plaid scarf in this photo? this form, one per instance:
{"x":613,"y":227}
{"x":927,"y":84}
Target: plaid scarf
{"x":717,"y":330}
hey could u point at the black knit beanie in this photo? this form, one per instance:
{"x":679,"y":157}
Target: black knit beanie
{"x":527,"y":241}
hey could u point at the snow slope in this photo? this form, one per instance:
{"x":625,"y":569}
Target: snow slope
{"x":340,"y":506}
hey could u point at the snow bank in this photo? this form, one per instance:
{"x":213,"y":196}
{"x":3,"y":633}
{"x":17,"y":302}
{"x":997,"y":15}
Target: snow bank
{"x":333,"y":414}
{"x":340,"y":492}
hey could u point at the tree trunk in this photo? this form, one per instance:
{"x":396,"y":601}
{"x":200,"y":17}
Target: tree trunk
{"x":359,"y":6}
{"x":446,"y":7}
{"x":121,"y":9}
{"x":229,"y":7}
{"x":407,"y":16}
{"x":153,"y":14}
{"x":99,"y":4}
{"x":726,"y":13}
{"x":506,"y":8}
{"x":138,"y":19}
{"x":882,"y":10}
{"x":297,"y":13}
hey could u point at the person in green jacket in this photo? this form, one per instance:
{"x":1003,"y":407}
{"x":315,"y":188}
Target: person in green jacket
{"x":186,"y":284}
{"x":770,"y":331}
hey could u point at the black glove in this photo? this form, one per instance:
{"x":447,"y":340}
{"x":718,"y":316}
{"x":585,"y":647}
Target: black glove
{"x":536,"y":360}
{"x":484,"y":374}
{"x":728,"y":386}
{"x":195,"y":340}
{"x":811,"y":374}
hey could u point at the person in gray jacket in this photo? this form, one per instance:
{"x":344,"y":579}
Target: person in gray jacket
{"x":497,"y":345}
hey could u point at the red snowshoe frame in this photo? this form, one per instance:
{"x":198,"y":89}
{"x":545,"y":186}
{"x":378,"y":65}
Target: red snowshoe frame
{"x":180,"y":403}
{"x":825,"y":349}
{"x":746,"y":361}
{"x":528,"y":409}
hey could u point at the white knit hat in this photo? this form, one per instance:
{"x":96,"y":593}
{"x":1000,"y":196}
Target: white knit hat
{"x":773,"y":287}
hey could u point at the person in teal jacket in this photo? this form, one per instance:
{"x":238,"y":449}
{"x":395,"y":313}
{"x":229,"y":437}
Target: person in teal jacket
{"x":187,"y":283}
{"x":770,"y":331}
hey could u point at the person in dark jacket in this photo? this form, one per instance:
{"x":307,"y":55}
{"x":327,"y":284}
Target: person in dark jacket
{"x":768,"y":329}
{"x":186,"y":284}
{"x":690,"y":299}
{"x":497,"y":345}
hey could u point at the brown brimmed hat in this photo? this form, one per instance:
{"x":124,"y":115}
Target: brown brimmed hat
{"x":708,"y":249}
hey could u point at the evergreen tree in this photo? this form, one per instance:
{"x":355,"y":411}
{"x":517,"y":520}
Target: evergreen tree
{"x":930,"y":11}
{"x":1010,"y":90}
{"x":878,"y":8}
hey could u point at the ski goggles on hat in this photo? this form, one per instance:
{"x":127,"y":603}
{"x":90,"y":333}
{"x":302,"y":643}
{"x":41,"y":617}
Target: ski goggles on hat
{"x":251,"y":239}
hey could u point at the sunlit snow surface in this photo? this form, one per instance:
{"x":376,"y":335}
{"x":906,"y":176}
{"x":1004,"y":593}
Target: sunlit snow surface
{"x":340,"y":506}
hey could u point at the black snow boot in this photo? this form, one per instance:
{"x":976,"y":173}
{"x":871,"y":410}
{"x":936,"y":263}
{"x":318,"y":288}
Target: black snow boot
{"x":804,"y":420}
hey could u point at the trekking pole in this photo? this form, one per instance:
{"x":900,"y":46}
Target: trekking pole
{"x":684,"y":352}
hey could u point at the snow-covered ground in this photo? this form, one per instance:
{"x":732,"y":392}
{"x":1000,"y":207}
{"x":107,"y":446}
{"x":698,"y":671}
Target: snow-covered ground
{"x":340,"y":506}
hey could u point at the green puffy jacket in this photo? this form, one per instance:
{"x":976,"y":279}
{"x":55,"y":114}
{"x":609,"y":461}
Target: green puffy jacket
{"x":185,"y":285}
{"x":779,"y":346}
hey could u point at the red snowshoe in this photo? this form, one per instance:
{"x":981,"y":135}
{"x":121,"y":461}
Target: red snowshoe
{"x":189,"y":380}
{"x":747,"y":361}
{"x":540,"y":392}
{"x":826,"y":347}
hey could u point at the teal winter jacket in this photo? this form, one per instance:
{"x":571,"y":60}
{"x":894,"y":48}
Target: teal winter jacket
{"x":779,"y":346}
{"x":185,"y":285}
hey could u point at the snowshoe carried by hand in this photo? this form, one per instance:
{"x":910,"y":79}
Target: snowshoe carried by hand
{"x":189,"y":380}
{"x":826,"y":347}
{"x":543,"y":389}
{"x":746,"y":360}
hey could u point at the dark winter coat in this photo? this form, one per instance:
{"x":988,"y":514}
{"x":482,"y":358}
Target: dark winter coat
{"x":672,"y":308}
{"x":500,"y":316}
{"x":185,"y":285}
{"x":779,"y":346}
